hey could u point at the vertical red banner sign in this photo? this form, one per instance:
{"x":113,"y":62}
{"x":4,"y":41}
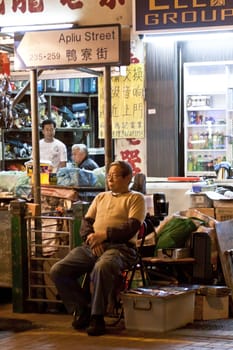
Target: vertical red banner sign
{"x":4,"y":64}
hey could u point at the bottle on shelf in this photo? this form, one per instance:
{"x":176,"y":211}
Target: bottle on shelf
{"x":190,"y":163}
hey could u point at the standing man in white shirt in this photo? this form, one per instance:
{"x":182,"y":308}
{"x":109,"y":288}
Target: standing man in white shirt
{"x":51,"y":148}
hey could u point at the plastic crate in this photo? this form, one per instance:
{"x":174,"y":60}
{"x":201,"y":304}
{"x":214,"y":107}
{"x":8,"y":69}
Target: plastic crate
{"x":158,"y":313}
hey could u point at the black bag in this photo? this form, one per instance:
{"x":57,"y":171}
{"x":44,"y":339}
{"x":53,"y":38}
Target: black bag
{"x":150,"y":223}
{"x":149,"y":246}
{"x":201,"y":247}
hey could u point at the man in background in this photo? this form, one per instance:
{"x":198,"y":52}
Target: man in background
{"x":81,"y":157}
{"x":52,"y":149}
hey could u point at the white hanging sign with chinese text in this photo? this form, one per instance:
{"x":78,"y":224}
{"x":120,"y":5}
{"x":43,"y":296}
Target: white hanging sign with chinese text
{"x":127,"y":104}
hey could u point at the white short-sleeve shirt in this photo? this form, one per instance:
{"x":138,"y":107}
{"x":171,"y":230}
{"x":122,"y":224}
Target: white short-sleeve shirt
{"x":54,"y":151}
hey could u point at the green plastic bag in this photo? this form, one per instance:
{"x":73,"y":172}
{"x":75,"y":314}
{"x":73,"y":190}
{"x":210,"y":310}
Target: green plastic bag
{"x":174,"y":233}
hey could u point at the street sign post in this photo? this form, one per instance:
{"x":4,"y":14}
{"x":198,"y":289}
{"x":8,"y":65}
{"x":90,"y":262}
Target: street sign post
{"x":89,"y":46}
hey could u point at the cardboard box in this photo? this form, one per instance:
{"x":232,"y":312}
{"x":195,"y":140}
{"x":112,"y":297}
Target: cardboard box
{"x":224,"y":213}
{"x":33,"y":209}
{"x":227,"y":203}
{"x":174,"y":253}
{"x":158,"y":313}
{"x":220,"y":200}
{"x":209,"y":307}
{"x":213,"y":290}
{"x":200,"y":200}
{"x":207,"y":211}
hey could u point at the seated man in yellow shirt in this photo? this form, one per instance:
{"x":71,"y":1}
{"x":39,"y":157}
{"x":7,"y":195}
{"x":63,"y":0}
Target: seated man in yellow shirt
{"x":109,"y":231}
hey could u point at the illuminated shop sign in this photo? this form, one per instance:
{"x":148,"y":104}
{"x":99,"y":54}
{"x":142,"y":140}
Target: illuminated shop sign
{"x":176,"y":15}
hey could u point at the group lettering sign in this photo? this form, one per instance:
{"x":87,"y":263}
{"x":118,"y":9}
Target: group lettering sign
{"x":181,"y":15}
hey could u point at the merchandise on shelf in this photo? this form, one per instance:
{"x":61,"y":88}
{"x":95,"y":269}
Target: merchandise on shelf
{"x":69,"y":102}
{"x":208,"y":116}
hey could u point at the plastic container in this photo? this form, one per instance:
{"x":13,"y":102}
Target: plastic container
{"x":158,"y":313}
{"x":45,"y":171}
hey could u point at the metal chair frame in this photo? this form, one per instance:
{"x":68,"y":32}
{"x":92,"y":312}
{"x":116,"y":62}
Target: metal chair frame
{"x":127,"y":282}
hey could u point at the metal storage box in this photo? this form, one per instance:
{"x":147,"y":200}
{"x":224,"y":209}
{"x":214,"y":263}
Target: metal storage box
{"x":158,"y":310}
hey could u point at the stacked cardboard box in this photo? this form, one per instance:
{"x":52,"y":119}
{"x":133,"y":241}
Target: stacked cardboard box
{"x":207,"y":211}
{"x":212,"y":204}
{"x":223,"y":209}
{"x":211,"y":302}
{"x":200,"y":200}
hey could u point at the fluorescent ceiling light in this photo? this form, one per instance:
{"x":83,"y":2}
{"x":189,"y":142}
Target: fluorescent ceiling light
{"x":186,"y":36}
{"x":36,"y":27}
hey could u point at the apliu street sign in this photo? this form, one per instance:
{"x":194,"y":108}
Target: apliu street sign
{"x":89,"y":46}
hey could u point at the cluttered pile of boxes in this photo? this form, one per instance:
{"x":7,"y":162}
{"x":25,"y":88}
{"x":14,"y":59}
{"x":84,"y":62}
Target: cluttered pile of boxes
{"x":163,"y":307}
{"x":212,"y":200}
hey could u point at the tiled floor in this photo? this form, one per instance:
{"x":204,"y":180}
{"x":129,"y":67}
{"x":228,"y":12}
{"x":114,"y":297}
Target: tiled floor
{"x":54,"y":332}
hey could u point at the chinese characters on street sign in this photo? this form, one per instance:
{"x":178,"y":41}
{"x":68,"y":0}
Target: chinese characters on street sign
{"x":89,"y":46}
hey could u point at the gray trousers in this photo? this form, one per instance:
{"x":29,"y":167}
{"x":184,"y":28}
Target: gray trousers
{"x":103,"y":271}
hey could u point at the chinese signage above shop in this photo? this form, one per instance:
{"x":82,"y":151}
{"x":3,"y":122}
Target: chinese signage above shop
{"x":81,"y":12}
{"x":154,"y":16}
{"x":127,"y":104}
{"x":89,"y":46}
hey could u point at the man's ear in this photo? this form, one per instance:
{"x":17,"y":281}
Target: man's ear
{"x":129,"y":178}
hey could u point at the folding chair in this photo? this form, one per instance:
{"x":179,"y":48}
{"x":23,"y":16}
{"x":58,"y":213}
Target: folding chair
{"x":125,"y":281}
{"x":128,"y":277}
{"x":138,"y":265}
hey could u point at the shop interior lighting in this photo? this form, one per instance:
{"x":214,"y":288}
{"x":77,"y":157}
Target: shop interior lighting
{"x":28,"y":28}
{"x":187,"y":36}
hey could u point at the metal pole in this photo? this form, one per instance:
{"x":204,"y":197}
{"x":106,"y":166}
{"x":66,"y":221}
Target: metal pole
{"x":19,"y":255}
{"x":36,"y":180}
{"x":35,"y":139}
{"x":107,"y":118}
